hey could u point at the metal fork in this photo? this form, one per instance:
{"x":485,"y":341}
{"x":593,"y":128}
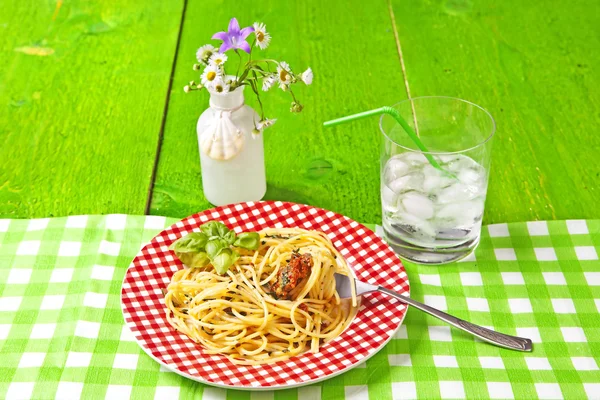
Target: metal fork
{"x":344,"y":288}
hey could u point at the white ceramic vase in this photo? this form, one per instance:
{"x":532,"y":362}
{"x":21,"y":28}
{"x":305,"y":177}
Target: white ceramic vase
{"x":231,"y":157}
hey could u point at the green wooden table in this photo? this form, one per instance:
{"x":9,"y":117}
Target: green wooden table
{"x":93,"y":118}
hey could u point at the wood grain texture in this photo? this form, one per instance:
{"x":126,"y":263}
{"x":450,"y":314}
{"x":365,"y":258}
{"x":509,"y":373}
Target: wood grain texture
{"x":536,"y":67}
{"x":352,"y":52}
{"x":82,"y":92}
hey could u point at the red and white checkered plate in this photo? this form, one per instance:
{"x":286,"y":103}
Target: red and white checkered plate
{"x":374,"y":325}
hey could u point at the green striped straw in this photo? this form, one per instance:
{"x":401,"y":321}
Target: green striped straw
{"x":394,"y":113}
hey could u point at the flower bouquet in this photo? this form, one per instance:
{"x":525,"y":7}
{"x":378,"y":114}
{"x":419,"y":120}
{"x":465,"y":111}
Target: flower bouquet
{"x":229,"y":132}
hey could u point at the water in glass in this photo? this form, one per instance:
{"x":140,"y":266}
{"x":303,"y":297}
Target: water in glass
{"x":429,"y":208}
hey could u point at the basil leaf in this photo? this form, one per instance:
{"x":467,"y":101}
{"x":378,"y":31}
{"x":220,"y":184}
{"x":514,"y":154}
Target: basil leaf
{"x":211,"y":245}
{"x":210,"y":229}
{"x":224,"y":259}
{"x":190,"y":243}
{"x":200,"y":260}
{"x":222,"y":229}
{"x":247,"y":240}
{"x":214,"y":246}
{"x":230,"y":237}
{"x":185,"y":258}
{"x":194,"y":260}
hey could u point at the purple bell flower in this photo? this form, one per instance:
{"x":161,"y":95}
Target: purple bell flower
{"x":234,"y":38}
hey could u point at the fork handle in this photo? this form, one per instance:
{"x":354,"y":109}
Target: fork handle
{"x":497,"y":338}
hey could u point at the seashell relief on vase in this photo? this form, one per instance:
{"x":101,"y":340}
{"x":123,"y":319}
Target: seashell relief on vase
{"x":231,"y":157}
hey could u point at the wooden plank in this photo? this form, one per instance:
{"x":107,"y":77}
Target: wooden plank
{"x":82,"y":93}
{"x":535,"y":67}
{"x":352,"y":52}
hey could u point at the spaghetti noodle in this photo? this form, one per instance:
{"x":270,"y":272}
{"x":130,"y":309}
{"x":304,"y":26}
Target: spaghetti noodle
{"x":263,"y":309}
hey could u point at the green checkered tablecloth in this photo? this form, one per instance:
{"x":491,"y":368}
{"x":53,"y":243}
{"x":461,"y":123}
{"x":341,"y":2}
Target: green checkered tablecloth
{"x":62,"y":333}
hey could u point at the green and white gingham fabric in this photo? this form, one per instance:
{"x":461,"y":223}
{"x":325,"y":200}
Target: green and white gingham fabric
{"x":62,"y":334}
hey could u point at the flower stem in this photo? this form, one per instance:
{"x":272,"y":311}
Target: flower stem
{"x":267,"y":60}
{"x":251,"y":48}
{"x":255,"y":88}
{"x":260,"y":71}
{"x":237,"y":74}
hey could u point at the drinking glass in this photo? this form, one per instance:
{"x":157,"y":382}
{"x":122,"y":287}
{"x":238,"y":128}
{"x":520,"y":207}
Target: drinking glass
{"x":432,"y":213}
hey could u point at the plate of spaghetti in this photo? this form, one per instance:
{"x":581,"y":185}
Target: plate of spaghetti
{"x":243,"y":296}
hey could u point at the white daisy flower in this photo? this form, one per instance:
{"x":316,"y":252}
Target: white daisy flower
{"x":265,"y":123}
{"x":205,"y":52}
{"x":219,"y":86}
{"x":217,"y":59}
{"x":210,"y":75}
{"x":268,"y":82}
{"x":307,"y":76}
{"x":284,"y":75}
{"x":263,"y":38}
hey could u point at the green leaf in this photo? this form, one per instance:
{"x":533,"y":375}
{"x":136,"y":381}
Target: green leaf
{"x":214,"y":246}
{"x":190,"y":249}
{"x":224,"y":259}
{"x":216,"y":229}
{"x":200,"y":260}
{"x":210,"y":229}
{"x":248,"y":240}
{"x":230,"y":237}
{"x":194,"y":260}
{"x":223,"y":230}
{"x":190,"y":243}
